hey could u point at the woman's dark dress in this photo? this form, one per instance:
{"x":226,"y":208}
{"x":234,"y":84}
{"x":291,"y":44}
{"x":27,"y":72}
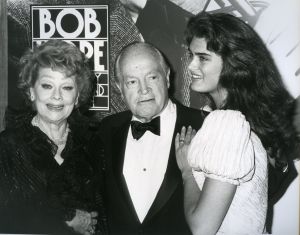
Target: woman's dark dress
{"x":36,"y":193}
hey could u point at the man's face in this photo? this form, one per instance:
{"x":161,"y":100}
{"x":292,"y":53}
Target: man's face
{"x":144,"y":83}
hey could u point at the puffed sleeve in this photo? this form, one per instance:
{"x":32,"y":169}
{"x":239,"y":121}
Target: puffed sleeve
{"x":222,"y":148}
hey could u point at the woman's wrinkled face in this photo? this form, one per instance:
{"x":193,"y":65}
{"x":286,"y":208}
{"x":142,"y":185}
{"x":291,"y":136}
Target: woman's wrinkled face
{"x":205,"y":67}
{"x":54,"y":95}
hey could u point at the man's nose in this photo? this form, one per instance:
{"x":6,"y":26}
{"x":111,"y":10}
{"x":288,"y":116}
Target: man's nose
{"x":144,"y":87}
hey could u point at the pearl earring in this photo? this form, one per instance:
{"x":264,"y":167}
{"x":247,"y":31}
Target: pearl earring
{"x":31,"y":97}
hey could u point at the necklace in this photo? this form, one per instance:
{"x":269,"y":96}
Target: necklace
{"x":58,"y":141}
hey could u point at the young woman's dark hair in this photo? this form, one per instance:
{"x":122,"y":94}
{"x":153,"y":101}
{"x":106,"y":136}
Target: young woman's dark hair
{"x":251,"y":79}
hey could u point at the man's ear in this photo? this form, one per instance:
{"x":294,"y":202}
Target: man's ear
{"x":168,"y":78}
{"x":118,"y":84}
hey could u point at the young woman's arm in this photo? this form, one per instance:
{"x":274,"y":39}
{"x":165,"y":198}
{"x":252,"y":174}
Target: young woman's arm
{"x":206,"y":210}
{"x":221,"y":152}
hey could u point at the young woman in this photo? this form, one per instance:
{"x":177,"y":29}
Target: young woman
{"x":225,"y":166}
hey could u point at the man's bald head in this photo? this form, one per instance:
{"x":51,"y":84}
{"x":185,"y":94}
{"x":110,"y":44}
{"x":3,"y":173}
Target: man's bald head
{"x":136,"y":48}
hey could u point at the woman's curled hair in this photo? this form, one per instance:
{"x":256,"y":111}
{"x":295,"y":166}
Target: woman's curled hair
{"x":57,"y":55}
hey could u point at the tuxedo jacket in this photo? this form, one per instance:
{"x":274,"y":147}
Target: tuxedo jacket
{"x":166,"y":215}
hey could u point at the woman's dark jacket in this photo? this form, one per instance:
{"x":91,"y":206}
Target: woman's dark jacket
{"x":36,"y":193}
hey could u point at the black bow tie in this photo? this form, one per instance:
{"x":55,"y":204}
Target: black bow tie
{"x":138,"y":128}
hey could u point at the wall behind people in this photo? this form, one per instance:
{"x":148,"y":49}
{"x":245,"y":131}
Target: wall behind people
{"x":3,"y":61}
{"x":166,"y":31}
{"x":279,"y":27}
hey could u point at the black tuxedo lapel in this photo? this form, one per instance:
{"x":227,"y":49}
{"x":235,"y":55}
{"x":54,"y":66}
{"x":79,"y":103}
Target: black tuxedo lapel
{"x":166,"y":215}
{"x":118,"y":150}
{"x":118,"y":154}
{"x":172,"y":176}
{"x":169,"y":184}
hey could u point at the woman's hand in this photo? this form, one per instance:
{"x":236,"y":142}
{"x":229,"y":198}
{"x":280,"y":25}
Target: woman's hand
{"x":182,"y":142}
{"x":84,"y":222}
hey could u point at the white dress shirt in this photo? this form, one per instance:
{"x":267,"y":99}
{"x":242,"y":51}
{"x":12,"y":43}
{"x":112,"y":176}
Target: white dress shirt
{"x":146,"y":161}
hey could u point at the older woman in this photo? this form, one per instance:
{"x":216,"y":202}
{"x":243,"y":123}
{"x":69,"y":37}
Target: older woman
{"x":49,"y":182}
{"x":229,"y":155}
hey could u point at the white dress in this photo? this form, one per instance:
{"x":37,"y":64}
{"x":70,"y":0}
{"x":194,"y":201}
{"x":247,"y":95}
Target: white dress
{"x":227,"y":150}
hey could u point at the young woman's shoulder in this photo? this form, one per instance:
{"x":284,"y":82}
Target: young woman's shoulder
{"x":222,"y":148}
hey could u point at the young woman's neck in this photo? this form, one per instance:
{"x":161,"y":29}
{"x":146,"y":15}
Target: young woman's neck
{"x":219,"y":98}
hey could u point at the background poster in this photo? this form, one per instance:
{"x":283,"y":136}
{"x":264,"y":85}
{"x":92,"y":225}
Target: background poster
{"x":85,"y":26}
{"x":162,"y":23}
{"x":132,"y":20}
{"x":83,"y":23}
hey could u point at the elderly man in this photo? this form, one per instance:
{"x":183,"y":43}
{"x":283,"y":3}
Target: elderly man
{"x":144,"y":193}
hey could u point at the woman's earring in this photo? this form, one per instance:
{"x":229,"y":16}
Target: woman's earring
{"x":31,"y":97}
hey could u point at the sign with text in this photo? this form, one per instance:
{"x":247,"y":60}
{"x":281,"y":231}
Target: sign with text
{"x":85,"y":26}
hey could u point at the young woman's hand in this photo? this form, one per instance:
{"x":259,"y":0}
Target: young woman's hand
{"x":182,"y":142}
{"x":84,"y":222}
